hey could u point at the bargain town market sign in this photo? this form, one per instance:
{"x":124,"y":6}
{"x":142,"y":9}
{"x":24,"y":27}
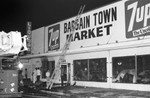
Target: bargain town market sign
{"x":96,"y":24}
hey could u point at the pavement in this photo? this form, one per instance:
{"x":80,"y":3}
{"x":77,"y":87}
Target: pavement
{"x":88,"y":92}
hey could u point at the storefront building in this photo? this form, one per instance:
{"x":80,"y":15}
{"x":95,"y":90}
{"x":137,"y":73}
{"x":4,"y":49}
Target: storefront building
{"x":110,"y":47}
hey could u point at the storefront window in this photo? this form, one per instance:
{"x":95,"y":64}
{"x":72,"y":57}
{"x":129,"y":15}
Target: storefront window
{"x":124,"y":69}
{"x":143,"y":69}
{"x":90,"y":70}
{"x":47,"y":65}
{"x":97,"y":70}
{"x":133,"y":69}
{"x":9,"y":64}
{"x":81,"y":70}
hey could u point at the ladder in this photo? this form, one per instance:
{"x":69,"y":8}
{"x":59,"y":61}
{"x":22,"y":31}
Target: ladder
{"x":57,"y":70}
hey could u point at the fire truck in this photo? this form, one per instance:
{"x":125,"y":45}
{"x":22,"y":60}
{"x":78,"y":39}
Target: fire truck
{"x":11,"y":44}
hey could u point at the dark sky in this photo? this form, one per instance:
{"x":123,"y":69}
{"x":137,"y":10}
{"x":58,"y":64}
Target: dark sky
{"x":15,"y":13}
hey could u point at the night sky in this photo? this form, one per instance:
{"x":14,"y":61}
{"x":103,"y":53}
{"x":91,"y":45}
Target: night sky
{"x":15,"y":13}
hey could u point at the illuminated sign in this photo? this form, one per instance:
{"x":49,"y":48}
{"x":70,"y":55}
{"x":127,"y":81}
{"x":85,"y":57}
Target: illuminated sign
{"x":29,"y":36}
{"x":137,"y":14}
{"x":54,"y":37}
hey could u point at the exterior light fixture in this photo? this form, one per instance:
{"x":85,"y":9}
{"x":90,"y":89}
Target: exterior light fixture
{"x":20,"y":65}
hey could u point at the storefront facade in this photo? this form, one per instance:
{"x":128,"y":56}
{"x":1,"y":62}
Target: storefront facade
{"x":110,"y":47}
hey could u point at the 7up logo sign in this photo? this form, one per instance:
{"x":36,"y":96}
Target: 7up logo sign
{"x":137,"y":14}
{"x":54,"y":37}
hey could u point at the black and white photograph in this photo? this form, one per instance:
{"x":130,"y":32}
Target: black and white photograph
{"x":75,"y":49}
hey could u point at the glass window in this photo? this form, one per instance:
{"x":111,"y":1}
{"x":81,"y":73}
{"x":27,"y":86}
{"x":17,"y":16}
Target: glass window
{"x":90,"y":70}
{"x":97,"y":70}
{"x":143,"y":69}
{"x":9,"y":64}
{"x":133,"y":69}
{"x":47,"y":65}
{"x":81,"y":70}
{"x":124,"y":69}
{"x":44,"y":68}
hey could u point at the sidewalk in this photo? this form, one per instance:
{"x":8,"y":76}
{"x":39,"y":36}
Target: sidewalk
{"x":91,"y":92}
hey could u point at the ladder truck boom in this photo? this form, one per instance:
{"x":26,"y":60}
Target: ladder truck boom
{"x":11,"y":43}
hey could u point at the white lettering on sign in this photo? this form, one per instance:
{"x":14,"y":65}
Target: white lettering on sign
{"x":141,"y":31}
{"x":54,"y":36}
{"x":99,"y":23}
{"x":14,"y":75}
{"x":105,"y":16}
{"x":139,"y":14}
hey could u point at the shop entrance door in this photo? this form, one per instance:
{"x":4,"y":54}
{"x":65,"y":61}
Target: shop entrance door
{"x":65,"y":74}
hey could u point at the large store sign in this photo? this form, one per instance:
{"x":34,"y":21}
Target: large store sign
{"x":54,"y":37}
{"x":137,"y":18}
{"x":95,"y":24}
